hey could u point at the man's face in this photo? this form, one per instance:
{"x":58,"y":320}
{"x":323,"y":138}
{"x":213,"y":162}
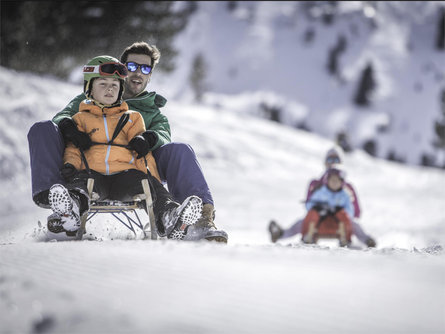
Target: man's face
{"x":136,"y":82}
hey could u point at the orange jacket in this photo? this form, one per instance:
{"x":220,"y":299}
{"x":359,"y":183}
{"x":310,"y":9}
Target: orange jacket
{"x":100,"y":123}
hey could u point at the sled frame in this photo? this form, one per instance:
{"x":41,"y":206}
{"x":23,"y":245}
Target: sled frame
{"x":313,"y":235}
{"x":127,"y":209}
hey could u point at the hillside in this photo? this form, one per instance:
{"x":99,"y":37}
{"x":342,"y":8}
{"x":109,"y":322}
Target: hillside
{"x":274,"y":57}
{"x":257,"y":170}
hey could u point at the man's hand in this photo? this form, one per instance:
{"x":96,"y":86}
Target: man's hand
{"x":151,"y":137}
{"x":140,"y":145}
{"x":71,"y":133}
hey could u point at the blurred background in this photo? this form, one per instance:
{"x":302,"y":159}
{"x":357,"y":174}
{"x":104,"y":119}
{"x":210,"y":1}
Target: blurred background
{"x":367,"y":74}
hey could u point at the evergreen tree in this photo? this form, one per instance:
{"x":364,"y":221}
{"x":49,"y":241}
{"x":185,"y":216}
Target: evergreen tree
{"x":366,"y":87}
{"x":53,"y":37}
{"x":370,"y":146}
{"x":197,"y":76}
{"x":441,"y":31}
{"x":439,"y":126}
{"x":334,"y":54}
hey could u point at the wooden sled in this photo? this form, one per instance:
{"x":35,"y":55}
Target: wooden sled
{"x":123,"y":210}
{"x":326,"y":228}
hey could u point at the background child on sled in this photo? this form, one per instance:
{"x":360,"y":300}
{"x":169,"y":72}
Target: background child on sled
{"x":333,"y":156}
{"x":114,"y":143}
{"x":330,"y":210}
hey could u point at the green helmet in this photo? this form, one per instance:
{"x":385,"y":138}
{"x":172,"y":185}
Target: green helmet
{"x":104,"y":67}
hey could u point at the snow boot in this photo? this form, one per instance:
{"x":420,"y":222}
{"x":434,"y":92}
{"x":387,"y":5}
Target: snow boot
{"x":66,"y":210}
{"x":275,"y":231}
{"x":178,"y":220}
{"x":370,"y":242}
{"x":54,"y":223}
{"x":311,"y":236}
{"x":205,"y":227}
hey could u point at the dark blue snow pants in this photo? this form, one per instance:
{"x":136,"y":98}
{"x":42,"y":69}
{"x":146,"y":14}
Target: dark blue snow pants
{"x":177,"y":165}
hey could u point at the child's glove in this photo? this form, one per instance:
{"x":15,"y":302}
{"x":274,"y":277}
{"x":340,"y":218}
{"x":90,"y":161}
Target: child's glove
{"x":70,"y":133}
{"x":337,"y":209}
{"x":68,"y":172}
{"x":151,"y":137}
{"x":324,"y":209}
{"x":140,"y":145}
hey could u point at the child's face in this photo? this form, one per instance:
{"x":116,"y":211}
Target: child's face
{"x":334,"y":182}
{"x":106,"y":90}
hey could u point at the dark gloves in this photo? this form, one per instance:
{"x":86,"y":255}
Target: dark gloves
{"x":68,"y":172}
{"x":143,"y":143}
{"x":151,"y":137}
{"x":324,"y":209}
{"x":70,"y":133}
{"x":140,"y":145}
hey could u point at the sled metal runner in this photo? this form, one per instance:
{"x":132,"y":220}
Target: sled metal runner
{"x":117,"y":210}
{"x":120,"y":208}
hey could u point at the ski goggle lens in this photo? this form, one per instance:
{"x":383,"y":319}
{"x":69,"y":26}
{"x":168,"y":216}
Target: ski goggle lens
{"x":332,"y":160}
{"x":133,"y":67}
{"x":107,"y":69}
{"x":112,"y":68}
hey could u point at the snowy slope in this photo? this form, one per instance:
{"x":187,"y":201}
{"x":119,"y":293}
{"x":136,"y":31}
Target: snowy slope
{"x":257,"y":170}
{"x":143,"y":287}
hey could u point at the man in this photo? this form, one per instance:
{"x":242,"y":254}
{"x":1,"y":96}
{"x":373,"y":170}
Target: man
{"x":177,"y":163}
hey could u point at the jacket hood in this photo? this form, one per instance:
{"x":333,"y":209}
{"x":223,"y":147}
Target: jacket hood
{"x":89,"y":106}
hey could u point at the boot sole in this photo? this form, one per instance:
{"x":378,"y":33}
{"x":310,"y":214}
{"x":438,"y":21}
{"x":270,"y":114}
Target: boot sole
{"x":55,"y":226}
{"x":61,"y":203}
{"x":217,"y":239}
{"x":60,"y":200}
{"x":190,"y":213}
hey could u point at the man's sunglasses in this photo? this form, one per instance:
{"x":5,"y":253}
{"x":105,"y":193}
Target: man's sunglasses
{"x":107,"y":69}
{"x":133,"y":67}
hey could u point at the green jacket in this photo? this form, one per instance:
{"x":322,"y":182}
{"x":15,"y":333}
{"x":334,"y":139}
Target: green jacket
{"x":147,"y":103}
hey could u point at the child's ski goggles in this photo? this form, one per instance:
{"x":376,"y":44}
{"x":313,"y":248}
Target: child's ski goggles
{"x":107,"y":69}
{"x":133,"y":67}
{"x":332,"y":160}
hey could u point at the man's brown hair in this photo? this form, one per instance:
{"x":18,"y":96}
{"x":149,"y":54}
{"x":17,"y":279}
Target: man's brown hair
{"x":142,"y":48}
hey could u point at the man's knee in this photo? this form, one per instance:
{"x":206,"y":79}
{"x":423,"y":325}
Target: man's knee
{"x":180,"y":147}
{"x":174,"y":150}
{"x":43,"y":127}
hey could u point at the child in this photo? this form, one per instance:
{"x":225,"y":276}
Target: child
{"x":333,"y":156}
{"x":329,"y":210}
{"x":115,"y":144}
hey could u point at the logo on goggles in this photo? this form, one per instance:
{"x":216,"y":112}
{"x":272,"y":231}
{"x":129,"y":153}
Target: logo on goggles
{"x":88,"y":69}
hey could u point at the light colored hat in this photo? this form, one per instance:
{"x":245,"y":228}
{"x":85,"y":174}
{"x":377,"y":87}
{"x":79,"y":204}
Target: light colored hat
{"x":334,"y":152}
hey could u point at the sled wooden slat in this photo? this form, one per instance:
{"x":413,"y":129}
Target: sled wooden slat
{"x":114,"y":207}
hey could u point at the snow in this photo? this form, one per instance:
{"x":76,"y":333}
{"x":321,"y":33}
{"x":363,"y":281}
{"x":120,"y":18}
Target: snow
{"x":140,"y":287}
{"x":257,"y":170}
